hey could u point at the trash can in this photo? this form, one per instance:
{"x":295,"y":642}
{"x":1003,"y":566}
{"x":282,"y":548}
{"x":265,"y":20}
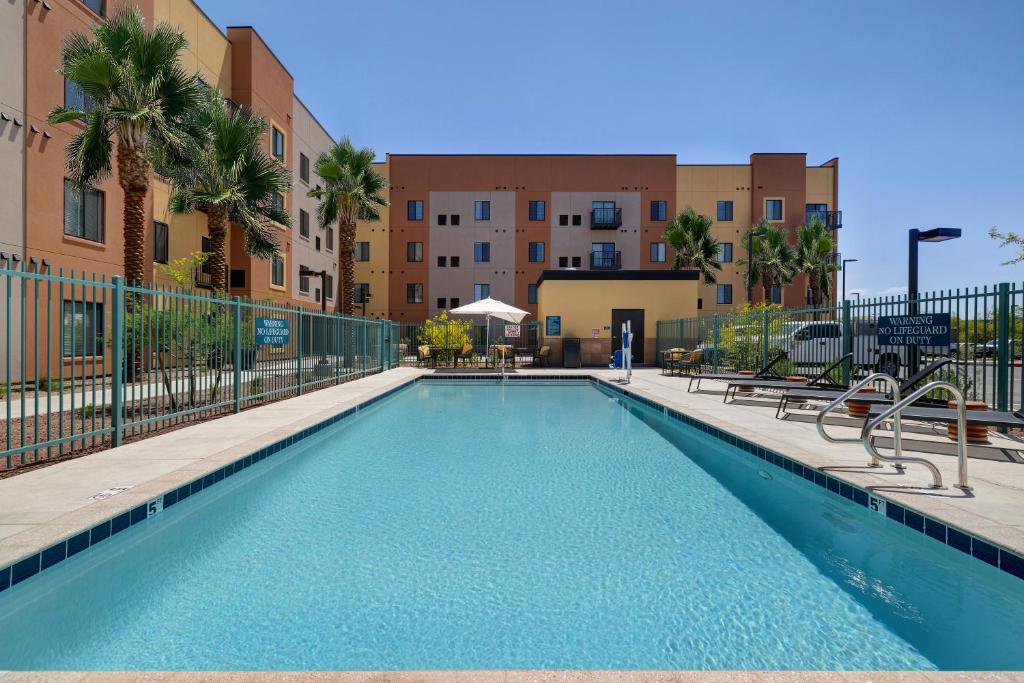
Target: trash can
{"x":571,"y":357}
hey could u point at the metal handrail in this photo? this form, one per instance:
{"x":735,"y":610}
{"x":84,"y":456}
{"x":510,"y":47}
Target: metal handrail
{"x":961,"y":436}
{"x":874,"y":377}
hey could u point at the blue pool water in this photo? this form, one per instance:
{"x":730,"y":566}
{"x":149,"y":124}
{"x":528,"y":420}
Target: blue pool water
{"x":479,"y":526}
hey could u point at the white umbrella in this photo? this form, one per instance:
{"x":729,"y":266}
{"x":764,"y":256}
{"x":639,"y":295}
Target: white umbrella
{"x":492,"y":308}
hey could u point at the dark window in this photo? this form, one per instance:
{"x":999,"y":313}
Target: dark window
{"x":810,"y":296}
{"x":414,"y":293}
{"x":441,"y":301}
{"x":277,"y":271}
{"x":160,"y":238}
{"x":659,"y":210}
{"x":316,"y":295}
{"x":277,"y":143}
{"x":454,"y":302}
{"x":330,"y":239}
{"x":277,"y":200}
{"x":576,"y":261}
{"x":482,"y":252}
{"x":361,"y":293}
{"x":776,"y":294}
{"x":536,"y":210}
{"x":482,"y":210}
{"x":442,"y":261}
{"x":563,"y":261}
{"x":303,"y":281}
{"x":95,"y":5}
{"x":725,"y":252}
{"x":725,"y":294}
{"x":83,"y":212}
{"x":563,"y":219}
{"x":773,"y":209}
{"x":700,"y":304}
{"x":237,"y":277}
{"x":82,"y":328}
{"x":329,"y":286}
{"x":414,"y":209}
{"x":536,"y":252}
{"x":414,"y":252}
{"x":481,"y":291}
{"x":577,"y":219}
{"x":303,"y":223}
{"x":725,"y":210}
{"x":75,"y":97}
{"x":454,"y":262}
{"x":657,"y":252}
{"x":816,"y":211}
{"x":442,"y":219}
{"x":455,"y":219}
{"x":362,"y":251}
{"x":206,"y":246}
{"x":303,"y":167}
{"x":531,"y":294}
{"x":316,"y":242}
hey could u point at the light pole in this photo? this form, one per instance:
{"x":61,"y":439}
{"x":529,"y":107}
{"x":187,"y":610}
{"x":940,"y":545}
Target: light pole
{"x":845,"y":261}
{"x":750,"y":261}
{"x":366,"y":299}
{"x":915,"y":237}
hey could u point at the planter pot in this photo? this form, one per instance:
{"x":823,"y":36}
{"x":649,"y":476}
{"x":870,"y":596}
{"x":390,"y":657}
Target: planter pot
{"x":796,"y":379}
{"x":857,"y":408}
{"x":975,"y":433}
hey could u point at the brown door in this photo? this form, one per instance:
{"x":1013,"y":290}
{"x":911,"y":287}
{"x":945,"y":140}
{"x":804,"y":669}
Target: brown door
{"x":636,"y":318}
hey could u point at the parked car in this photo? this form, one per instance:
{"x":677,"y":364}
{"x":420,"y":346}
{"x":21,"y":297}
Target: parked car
{"x":990,"y":349}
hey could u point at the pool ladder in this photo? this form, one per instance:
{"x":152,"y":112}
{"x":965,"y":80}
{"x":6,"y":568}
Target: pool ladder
{"x":894,"y":411}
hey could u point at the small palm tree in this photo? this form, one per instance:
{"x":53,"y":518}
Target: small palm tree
{"x":689,"y":234}
{"x":139,"y":94}
{"x":772,"y":258}
{"x":814,"y":258}
{"x":224,"y":171}
{"x":352,"y":190}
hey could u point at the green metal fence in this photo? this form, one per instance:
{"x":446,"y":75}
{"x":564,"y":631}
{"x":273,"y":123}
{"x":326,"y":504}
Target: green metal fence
{"x":984,"y":351}
{"x":86,"y":362}
{"x":448,"y":340}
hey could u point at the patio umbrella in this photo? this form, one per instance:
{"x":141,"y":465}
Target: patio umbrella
{"x":491,"y":308}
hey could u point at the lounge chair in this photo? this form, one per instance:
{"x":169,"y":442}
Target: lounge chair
{"x":821,"y":381}
{"x":989,"y":418}
{"x":824,"y":395}
{"x":541,"y":355}
{"x":766,"y":371}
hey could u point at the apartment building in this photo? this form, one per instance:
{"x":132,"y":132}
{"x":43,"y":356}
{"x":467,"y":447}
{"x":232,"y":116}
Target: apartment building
{"x":372,"y":261}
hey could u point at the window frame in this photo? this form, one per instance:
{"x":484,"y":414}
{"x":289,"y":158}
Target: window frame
{"x":770,"y":201}
{"x":724,"y":211}
{"x":100,"y":233}
{"x":414,"y":252}
{"x":482,"y":210}
{"x":481,"y":252}
{"x":304,"y":168}
{"x":724,"y":247}
{"x":89,"y":311}
{"x":531,"y":293}
{"x":481,"y":290}
{"x":274,"y":261}
{"x":536,"y":252}
{"x":304,"y":223}
{"x":659,"y":210}
{"x":414,"y":209}
{"x":662,"y":252}
{"x":414,"y":292}
{"x":275,"y":135}
{"x":532,"y":211}
{"x":726,"y":289}
{"x":159,"y":227}
{"x":362,"y":252}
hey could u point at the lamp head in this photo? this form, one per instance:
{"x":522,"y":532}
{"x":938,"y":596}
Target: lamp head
{"x":938,"y":234}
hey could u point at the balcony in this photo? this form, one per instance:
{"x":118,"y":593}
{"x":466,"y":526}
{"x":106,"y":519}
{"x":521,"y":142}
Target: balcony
{"x":203,"y":276}
{"x":833,"y":220}
{"x":605,"y":260}
{"x":606,"y":219}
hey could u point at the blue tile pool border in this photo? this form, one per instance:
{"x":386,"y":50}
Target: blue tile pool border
{"x":972,"y":546}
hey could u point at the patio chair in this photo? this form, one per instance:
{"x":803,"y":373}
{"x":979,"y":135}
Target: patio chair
{"x":694,"y":363}
{"x":820,"y":381}
{"x":466,"y":354}
{"x":541,"y":355}
{"x":425,"y":356}
{"x":766,"y":371}
{"x":671,"y":358}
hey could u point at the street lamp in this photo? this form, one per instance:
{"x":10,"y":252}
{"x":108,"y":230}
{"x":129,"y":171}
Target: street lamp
{"x":366,"y":299}
{"x":856,"y":294}
{"x":845,"y":261}
{"x":750,"y":260}
{"x":915,"y":237}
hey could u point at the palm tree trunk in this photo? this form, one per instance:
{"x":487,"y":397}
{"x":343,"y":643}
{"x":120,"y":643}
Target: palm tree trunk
{"x":217,"y":226}
{"x":133,"y":176}
{"x":346,"y":254}
{"x":766,"y":284}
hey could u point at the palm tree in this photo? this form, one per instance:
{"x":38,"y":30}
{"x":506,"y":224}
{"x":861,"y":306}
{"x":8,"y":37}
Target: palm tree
{"x":224,"y":171}
{"x":814,"y":258}
{"x":352,"y":190}
{"x":139,"y":94}
{"x":773,"y":258}
{"x":689,"y":234}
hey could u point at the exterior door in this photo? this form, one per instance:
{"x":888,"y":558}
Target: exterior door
{"x":636,"y":318}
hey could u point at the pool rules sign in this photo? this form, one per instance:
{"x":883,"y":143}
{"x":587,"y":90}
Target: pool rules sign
{"x":922,"y":329}
{"x":272,"y":332}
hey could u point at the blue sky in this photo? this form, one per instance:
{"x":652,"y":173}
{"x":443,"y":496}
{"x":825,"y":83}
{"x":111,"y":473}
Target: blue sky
{"x":922,"y":101}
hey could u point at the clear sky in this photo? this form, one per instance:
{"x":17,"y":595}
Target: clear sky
{"x":922,"y":101}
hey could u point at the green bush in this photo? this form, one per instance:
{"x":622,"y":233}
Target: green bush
{"x":256,"y":386}
{"x":3,"y":390}
{"x":88,"y":411}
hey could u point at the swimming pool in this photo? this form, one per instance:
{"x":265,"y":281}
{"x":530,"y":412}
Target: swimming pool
{"x":479,"y":526}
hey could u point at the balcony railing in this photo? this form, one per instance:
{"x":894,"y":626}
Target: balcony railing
{"x":605,"y":260}
{"x":606,"y":219}
{"x":833,"y":220}
{"x":203,"y":276}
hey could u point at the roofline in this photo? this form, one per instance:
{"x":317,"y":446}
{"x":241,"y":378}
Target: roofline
{"x":688,"y":274}
{"x":402,"y":154}
{"x":266,"y":45}
{"x":313,"y":116}
{"x":212,"y":22}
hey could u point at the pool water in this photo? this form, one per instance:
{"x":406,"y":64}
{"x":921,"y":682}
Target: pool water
{"x":467,"y":526}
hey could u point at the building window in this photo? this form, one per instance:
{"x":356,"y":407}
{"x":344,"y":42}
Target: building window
{"x":442,"y":219}
{"x":160,"y":239}
{"x":414,"y":293}
{"x":82,"y":329}
{"x":316,"y":243}
{"x":75,"y":97}
{"x":330,"y":239}
{"x":303,"y":281}
{"x":454,"y":261}
{"x":563,"y":261}
{"x":482,"y":252}
{"x":481,"y":291}
{"x":536,"y":210}
{"x":329,"y":287}
{"x":362,"y":251}
{"x":442,"y":261}
{"x":454,"y":302}
{"x":277,"y":143}
{"x":414,"y":252}
{"x":536,"y":252}
{"x":700,"y":304}
{"x":455,"y":219}
{"x":816,"y":211}
{"x":657,"y":252}
{"x":237,"y":278}
{"x":531,"y":294}
{"x":95,"y":5}
{"x":659,"y":210}
{"x":83,"y":212}
{"x":725,"y":294}
{"x":303,"y":223}
{"x":577,"y":219}
{"x":316,"y":295}
{"x":776,"y":294}
{"x":277,"y":201}
{"x":725,"y":252}
{"x":725,"y":210}
{"x":773,"y":209}
{"x":577,"y":261}
{"x":361,"y":293}
{"x":441,"y":302}
{"x":414,"y":209}
{"x":563,"y":219}
{"x":482,"y":210}
{"x":304,"y":168}
{"x":277,"y":270}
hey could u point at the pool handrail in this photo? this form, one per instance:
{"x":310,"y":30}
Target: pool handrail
{"x":873,"y":377}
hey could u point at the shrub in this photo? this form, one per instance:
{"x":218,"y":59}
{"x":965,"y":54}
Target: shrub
{"x":88,"y":411}
{"x":255,"y":386}
{"x":3,"y":390}
{"x":442,"y":333}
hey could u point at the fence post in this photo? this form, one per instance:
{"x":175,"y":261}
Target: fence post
{"x":366,"y":346}
{"x":117,"y":356}
{"x":764,"y":339}
{"x":1003,"y":348}
{"x":237,"y":303}
{"x":847,"y":340}
{"x":298,"y":352}
{"x":716,"y":340}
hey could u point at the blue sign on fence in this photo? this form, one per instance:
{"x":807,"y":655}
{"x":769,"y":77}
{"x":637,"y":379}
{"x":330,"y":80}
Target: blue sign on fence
{"x":922,"y":329}
{"x":272,"y":332}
